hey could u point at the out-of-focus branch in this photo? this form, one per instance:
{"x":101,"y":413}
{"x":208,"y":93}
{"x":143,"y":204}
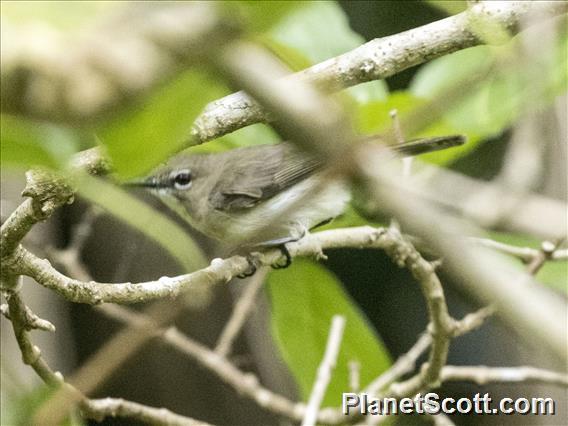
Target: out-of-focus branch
{"x":79,"y":81}
{"x":20,"y":318}
{"x":70,"y":256}
{"x":377,"y":59}
{"x":246,"y":384}
{"x":241,"y":311}
{"x":545,"y":253}
{"x":482,"y":375}
{"x":484,"y":203}
{"x":534,"y":258}
{"x":403,"y":365}
{"x":325,"y":370}
{"x":524,"y":305}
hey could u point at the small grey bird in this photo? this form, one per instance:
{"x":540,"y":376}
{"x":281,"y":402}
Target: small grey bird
{"x":230,"y":196}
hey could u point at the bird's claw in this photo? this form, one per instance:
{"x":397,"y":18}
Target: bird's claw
{"x":288,"y":260}
{"x":253,"y":266}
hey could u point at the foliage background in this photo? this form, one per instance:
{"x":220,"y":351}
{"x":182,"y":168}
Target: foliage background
{"x":384,"y":308}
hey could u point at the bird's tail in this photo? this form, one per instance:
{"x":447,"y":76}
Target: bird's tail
{"x":424,"y":145}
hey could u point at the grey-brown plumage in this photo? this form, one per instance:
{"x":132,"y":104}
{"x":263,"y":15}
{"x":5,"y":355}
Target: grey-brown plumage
{"x":232,"y":195}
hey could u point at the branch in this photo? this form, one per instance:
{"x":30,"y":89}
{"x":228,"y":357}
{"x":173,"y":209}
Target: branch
{"x":178,"y":35}
{"x":47,"y":192}
{"x":94,"y":409}
{"x":482,"y":375}
{"x":220,"y":270}
{"x":241,"y":311}
{"x":488,"y":204}
{"x":29,"y":320}
{"x":545,"y":253}
{"x":118,"y":407}
{"x":375,"y":60}
{"x":246,"y":384}
{"x":151,"y":44}
{"x":526,"y":254}
{"x":403,"y":365}
{"x":325,"y":370}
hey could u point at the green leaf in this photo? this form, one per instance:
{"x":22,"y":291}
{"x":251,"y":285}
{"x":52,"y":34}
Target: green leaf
{"x":374,"y":117}
{"x":553,"y":274}
{"x":63,"y":15}
{"x":292,"y":57}
{"x":439,"y":74}
{"x":259,"y":16}
{"x":515,"y":85}
{"x":147,"y":134}
{"x":143,"y":218}
{"x":304,"y":298}
{"x":320,"y":31}
{"x":451,"y":7}
{"x":21,"y":409}
{"x":26,"y":143}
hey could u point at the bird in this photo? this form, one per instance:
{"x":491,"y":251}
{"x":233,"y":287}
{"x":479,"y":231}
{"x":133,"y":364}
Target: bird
{"x":232,"y":196}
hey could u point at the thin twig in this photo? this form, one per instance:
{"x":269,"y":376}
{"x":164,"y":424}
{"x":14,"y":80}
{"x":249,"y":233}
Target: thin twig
{"x":95,"y":409}
{"x":403,"y":365}
{"x":354,"y":376}
{"x":482,"y":375}
{"x":325,"y":370}
{"x":531,"y":256}
{"x":545,"y":253}
{"x":241,"y":312}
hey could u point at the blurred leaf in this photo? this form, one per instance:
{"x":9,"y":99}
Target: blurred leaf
{"x":368,"y":92}
{"x":148,"y":133}
{"x":304,"y":298}
{"x":65,"y":15}
{"x":26,"y":143}
{"x":320,"y":31}
{"x":439,"y":74}
{"x":374,"y":117}
{"x":553,"y":274}
{"x":451,"y":7}
{"x":517,"y":84}
{"x":21,"y":410}
{"x":262,"y":15}
{"x":292,"y":57}
{"x":143,"y":218}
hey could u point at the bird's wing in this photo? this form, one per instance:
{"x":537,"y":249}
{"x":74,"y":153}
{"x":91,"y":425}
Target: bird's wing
{"x":267,"y":171}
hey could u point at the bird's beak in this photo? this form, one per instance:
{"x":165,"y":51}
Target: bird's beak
{"x":149,"y":182}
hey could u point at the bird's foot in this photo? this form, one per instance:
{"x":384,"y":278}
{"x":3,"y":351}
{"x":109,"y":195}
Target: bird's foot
{"x":286,"y":254}
{"x":253,"y":266}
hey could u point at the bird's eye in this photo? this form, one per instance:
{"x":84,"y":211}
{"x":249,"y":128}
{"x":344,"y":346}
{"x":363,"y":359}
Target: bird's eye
{"x":182,"y":179}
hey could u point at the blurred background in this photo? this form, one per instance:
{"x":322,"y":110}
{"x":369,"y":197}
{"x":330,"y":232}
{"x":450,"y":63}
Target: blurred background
{"x":295,"y":309}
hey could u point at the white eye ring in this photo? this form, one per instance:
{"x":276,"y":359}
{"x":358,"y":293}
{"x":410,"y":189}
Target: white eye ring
{"x":181,"y":178}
